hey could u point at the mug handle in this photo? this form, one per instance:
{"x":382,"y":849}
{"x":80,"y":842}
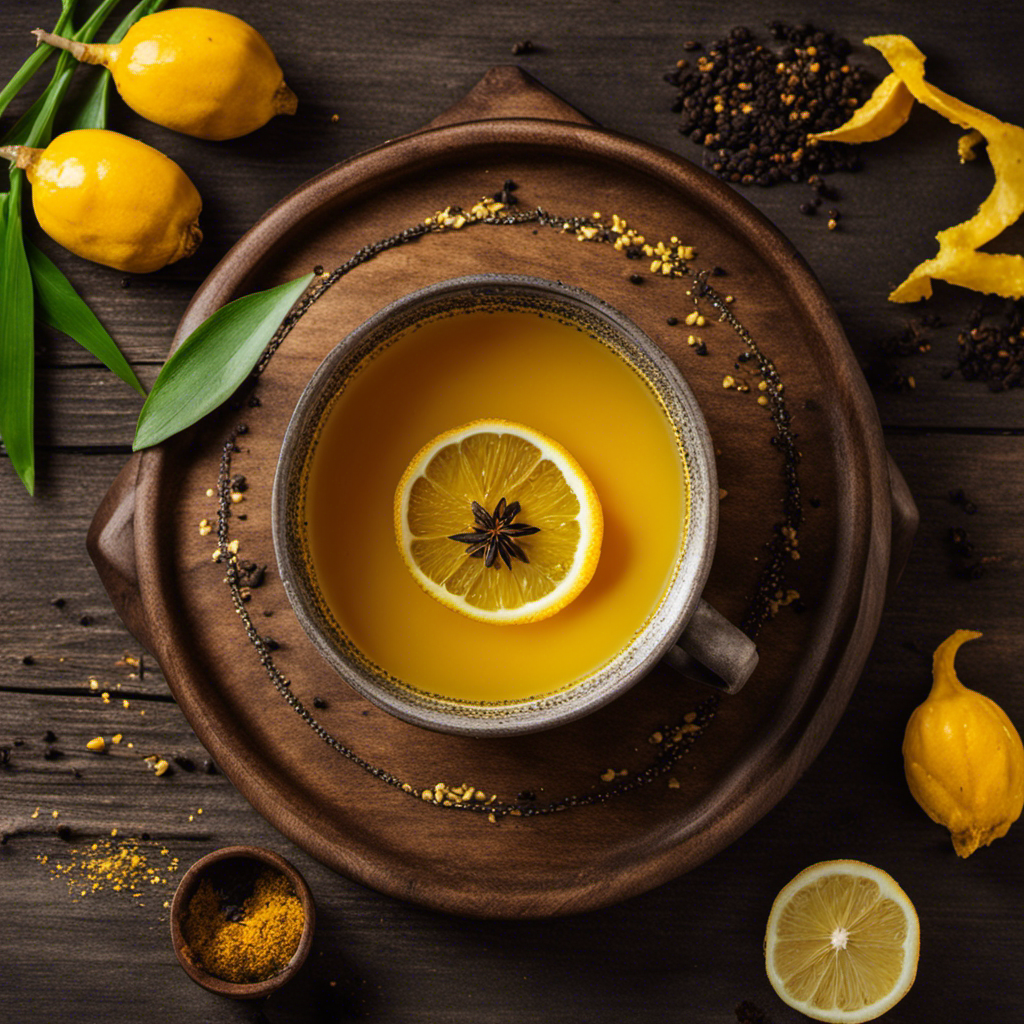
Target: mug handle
{"x":711,"y":650}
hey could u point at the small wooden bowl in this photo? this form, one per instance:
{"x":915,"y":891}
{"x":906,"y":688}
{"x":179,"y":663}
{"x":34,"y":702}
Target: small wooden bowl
{"x":188,"y":886}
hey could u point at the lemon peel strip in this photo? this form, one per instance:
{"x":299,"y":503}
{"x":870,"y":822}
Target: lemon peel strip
{"x":885,"y":111}
{"x":957,"y":261}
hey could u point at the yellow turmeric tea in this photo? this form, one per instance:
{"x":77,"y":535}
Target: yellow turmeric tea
{"x":529,"y":368}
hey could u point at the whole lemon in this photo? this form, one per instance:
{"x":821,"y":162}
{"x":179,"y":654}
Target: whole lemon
{"x":112,"y":199}
{"x":963,"y":758}
{"x":200,"y":72}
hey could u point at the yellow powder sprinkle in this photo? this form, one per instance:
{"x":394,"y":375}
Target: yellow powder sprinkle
{"x":120,"y":867}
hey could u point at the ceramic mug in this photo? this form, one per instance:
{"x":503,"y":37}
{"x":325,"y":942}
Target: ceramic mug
{"x":684,"y":630}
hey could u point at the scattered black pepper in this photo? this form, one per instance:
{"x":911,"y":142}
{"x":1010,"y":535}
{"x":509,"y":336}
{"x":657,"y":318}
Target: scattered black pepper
{"x":251,"y":575}
{"x":5,"y":756}
{"x":270,"y":643}
{"x":186,"y":764}
{"x":636,"y":279}
{"x":958,"y":497}
{"x":53,"y":753}
{"x":990,"y":347}
{"x":752,"y":108}
{"x":523,"y":46}
{"x":209,"y":767}
{"x":319,"y":702}
{"x":58,"y":602}
{"x":672,"y":321}
{"x":49,"y":736}
{"x":85,"y":620}
{"x":506,"y":195}
{"x":28,"y":660}
{"x":64,"y":832}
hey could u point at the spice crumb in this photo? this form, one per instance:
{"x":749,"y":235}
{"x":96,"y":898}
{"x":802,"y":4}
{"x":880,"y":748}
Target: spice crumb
{"x":97,"y":744}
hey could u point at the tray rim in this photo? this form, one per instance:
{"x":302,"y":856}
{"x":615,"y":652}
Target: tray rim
{"x":800,"y":728}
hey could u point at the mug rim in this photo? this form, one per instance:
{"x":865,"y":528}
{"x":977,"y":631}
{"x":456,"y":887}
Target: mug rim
{"x":662,"y":627}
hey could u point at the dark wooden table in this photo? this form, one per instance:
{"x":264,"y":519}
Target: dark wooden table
{"x":692,"y":949}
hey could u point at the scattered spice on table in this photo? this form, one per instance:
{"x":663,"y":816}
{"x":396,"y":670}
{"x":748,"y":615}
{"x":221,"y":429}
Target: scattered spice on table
{"x":107,"y":865}
{"x":990,"y":348}
{"x":244,"y":922}
{"x":752,"y":107}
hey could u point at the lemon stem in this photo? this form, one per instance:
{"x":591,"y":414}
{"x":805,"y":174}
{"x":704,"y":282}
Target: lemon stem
{"x":284,"y":100}
{"x":945,"y":682}
{"x":87,"y":53}
{"x":21,"y":156}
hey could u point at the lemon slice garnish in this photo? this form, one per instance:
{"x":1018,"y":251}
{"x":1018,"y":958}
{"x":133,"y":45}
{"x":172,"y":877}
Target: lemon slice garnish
{"x":842,"y":942}
{"x":508,"y":476}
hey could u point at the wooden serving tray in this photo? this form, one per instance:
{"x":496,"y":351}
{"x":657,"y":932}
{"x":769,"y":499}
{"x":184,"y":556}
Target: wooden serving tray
{"x":158,"y":570}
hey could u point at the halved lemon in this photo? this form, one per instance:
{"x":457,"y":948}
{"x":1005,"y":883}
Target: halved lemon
{"x":498,"y":522}
{"x":842,"y":942}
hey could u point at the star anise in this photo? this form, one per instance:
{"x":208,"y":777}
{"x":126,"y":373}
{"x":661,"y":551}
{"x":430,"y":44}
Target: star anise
{"x":493,"y":534}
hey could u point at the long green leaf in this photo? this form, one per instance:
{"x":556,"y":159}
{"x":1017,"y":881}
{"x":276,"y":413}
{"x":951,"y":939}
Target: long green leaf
{"x":35,"y":127}
{"x":36,"y":60}
{"x":61,"y":307}
{"x":17,"y":348}
{"x":91,"y":109}
{"x":213,"y":361}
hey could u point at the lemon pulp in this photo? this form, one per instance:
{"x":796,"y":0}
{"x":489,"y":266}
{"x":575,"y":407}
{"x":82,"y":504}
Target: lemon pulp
{"x":842,"y":942}
{"x":485,"y":462}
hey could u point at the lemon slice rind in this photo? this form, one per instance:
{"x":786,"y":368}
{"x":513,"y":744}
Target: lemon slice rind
{"x":888,"y":890}
{"x":589,"y":519}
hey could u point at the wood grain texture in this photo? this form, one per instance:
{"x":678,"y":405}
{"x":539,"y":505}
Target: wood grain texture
{"x":691,"y":950}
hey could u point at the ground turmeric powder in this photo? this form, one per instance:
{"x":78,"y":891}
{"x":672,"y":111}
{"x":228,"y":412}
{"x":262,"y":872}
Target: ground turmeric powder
{"x":254,"y":942}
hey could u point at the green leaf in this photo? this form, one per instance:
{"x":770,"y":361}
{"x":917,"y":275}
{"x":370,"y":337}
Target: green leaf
{"x":17,"y":343}
{"x":36,"y":60}
{"x":213,"y":361}
{"x":91,"y":110}
{"x":35,"y":127}
{"x":61,"y":307}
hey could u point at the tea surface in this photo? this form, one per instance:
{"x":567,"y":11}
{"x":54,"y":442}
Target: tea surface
{"x":526,"y":368}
